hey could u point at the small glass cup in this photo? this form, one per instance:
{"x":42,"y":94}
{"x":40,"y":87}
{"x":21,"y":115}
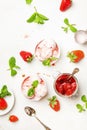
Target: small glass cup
{"x":65,"y":87}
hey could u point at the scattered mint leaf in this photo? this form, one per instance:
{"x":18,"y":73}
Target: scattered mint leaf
{"x":37,"y":18}
{"x":4,"y":92}
{"x":72,"y":28}
{"x":66,"y":21}
{"x":69,"y":26}
{"x":42,"y":16}
{"x":13,"y":72}
{"x":80,"y":108}
{"x":84,"y":106}
{"x":83,"y":98}
{"x":12,"y":62}
{"x":32,"y":18}
{"x":29,"y":1}
{"x":13,"y":66}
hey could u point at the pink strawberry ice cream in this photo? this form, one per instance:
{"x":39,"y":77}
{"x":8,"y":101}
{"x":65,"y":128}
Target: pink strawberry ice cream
{"x":34,"y":92}
{"x":47,"y":49}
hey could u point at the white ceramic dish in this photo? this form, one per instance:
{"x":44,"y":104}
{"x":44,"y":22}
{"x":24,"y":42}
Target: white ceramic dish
{"x":10,"y":101}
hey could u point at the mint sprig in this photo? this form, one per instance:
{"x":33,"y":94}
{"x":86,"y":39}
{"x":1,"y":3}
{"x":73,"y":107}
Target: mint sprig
{"x":47,"y":62}
{"x":4,"y":92}
{"x":69,"y":26}
{"x":36,"y":17}
{"x":82,"y":107}
{"x":29,"y":1}
{"x":31,"y":91}
{"x":13,"y":66}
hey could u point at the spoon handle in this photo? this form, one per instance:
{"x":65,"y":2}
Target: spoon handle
{"x":46,"y":127}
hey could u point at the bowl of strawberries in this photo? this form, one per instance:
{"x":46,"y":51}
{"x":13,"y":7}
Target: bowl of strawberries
{"x":66,"y":85}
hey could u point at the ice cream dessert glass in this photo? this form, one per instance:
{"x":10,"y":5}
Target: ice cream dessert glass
{"x":34,"y":87}
{"x":47,"y":51}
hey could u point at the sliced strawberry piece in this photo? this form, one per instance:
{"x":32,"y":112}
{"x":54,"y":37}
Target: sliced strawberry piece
{"x":3,"y":104}
{"x":66,"y":86}
{"x":65,"y":4}
{"x":69,"y":92}
{"x":60,"y":89}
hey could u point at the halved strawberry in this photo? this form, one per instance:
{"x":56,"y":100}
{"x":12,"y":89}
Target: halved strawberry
{"x":3,"y":104}
{"x":65,"y":4}
{"x":76,"y":55}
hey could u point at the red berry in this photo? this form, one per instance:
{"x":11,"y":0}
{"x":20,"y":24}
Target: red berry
{"x":13,"y":118}
{"x":65,"y":4}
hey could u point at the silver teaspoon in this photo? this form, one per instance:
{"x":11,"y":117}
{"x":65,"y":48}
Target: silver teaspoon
{"x":31,"y":112}
{"x":74,"y":72}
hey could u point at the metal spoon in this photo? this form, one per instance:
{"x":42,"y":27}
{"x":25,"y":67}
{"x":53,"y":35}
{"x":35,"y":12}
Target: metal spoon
{"x":74,"y":72}
{"x":31,"y":112}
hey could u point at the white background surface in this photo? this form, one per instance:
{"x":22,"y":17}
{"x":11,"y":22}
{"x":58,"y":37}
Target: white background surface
{"x":13,"y":28}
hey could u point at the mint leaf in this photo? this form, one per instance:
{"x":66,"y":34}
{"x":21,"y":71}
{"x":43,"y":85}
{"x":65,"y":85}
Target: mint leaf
{"x":31,"y":92}
{"x":35,"y":83}
{"x":83,"y":98}
{"x":12,"y":62}
{"x":42,"y":16}
{"x":66,"y":21}
{"x":12,"y":65}
{"x":69,"y":26}
{"x":47,"y":62}
{"x":72,"y":28}
{"x":4,"y":92}
{"x":80,"y":107}
{"x":32,"y":18}
{"x":37,"y":18}
{"x":29,"y":1}
{"x":65,"y":29}
{"x":13,"y":72}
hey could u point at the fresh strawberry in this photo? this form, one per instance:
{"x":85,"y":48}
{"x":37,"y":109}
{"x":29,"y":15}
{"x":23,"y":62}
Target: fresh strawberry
{"x":3,"y":104}
{"x":13,"y":118}
{"x":26,"y":56}
{"x":65,"y":4}
{"x":54,"y":103}
{"x":76,"y":55}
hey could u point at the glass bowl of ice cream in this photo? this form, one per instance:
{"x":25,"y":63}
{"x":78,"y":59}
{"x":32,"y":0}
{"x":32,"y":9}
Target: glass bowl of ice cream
{"x":47,"y":51}
{"x":34,"y":87}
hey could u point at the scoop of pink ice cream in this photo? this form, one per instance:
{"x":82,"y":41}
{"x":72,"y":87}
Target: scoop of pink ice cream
{"x":46,"y":49}
{"x":40,"y":90}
